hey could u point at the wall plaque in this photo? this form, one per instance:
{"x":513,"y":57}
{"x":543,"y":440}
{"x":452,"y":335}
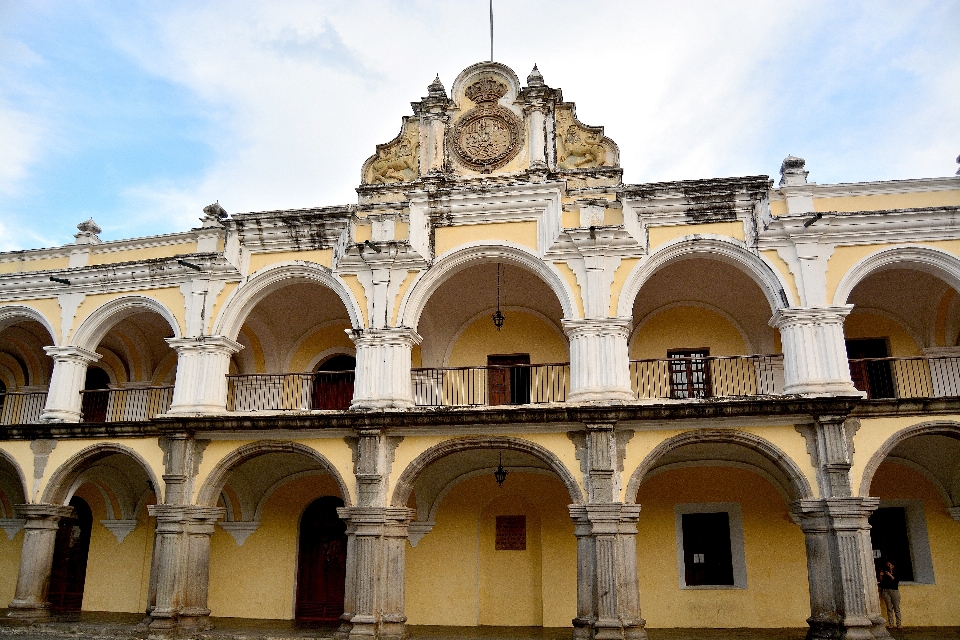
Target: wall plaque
{"x":511,"y":533}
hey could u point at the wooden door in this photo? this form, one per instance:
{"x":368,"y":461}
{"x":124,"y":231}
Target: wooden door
{"x":505,"y":384}
{"x":876,"y":378}
{"x":322,"y":562}
{"x":94,"y":405}
{"x":69,"y":571}
{"x":333,"y":383}
{"x":689,"y":373}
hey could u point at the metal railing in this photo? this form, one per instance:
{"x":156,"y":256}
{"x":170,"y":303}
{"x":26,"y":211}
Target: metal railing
{"x":917,"y":377}
{"x":134,"y":404}
{"x":492,"y":385}
{"x":707,"y":376}
{"x":290,"y":391}
{"x":22,"y":408}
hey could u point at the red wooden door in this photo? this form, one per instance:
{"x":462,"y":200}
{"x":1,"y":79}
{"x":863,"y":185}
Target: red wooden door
{"x":322,"y":562}
{"x":501,"y":376}
{"x":69,"y":571}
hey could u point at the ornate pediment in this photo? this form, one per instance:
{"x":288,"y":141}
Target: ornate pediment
{"x":397,"y":160}
{"x":580,"y":146}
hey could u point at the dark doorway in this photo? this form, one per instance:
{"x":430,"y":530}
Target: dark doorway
{"x":874,"y":377}
{"x":333,"y":383}
{"x":96,"y":396}
{"x":707,"y":557}
{"x":509,"y":379}
{"x":70,"y":551}
{"x":891,"y":543}
{"x":322,"y":562}
{"x":689,"y":373}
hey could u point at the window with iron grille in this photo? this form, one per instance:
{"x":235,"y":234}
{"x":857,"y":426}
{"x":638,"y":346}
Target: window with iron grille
{"x":689,"y":373}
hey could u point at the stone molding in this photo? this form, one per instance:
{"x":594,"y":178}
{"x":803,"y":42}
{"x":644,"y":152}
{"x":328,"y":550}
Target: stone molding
{"x":814,"y":351}
{"x":599,"y":360}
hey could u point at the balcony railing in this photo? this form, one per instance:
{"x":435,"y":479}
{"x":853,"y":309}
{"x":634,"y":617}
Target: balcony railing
{"x":134,"y":404}
{"x":290,"y":391}
{"x":21,"y":408}
{"x":493,"y":385}
{"x":906,"y":377}
{"x":707,"y":376}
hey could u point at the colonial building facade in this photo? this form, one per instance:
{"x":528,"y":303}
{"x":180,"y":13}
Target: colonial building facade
{"x":504,"y":388}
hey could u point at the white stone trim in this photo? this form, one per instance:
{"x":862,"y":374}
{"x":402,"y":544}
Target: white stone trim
{"x":931,"y":260}
{"x":120,"y":528}
{"x":732,"y":509}
{"x":239,"y":529}
{"x":14,"y":313}
{"x":95,"y":326}
{"x":12,"y":526}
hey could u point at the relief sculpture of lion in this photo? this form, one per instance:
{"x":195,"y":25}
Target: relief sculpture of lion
{"x":580,"y":148}
{"x":397,"y":163}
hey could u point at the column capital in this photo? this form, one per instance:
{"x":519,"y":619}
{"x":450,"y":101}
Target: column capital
{"x":71,"y":353}
{"x":605,"y":517}
{"x":597,"y":327}
{"x":376,"y":515}
{"x":40,"y":515}
{"x":954,"y":513}
{"x":185,"y":514}
{"x":810,"y":315}
{"x":205,"y":344}
{"x":387,"y":336}
{"x":841,"y":511}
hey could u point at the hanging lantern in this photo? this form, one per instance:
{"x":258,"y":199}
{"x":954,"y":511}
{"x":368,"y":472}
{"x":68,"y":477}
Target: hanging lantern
{"x":500,"y":474}
{"x":498,"y":317}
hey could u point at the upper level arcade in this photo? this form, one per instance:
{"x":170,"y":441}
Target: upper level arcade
{"x":494,"y":256}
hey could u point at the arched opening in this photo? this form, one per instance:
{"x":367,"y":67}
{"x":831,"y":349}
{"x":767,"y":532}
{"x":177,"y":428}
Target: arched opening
{"x":292,"y":337}
{"x":903,"y":335}
{"x":493,"y":555}
{"x":133,"y":380}
{"x":114,"y":486}
{"x":24,"y":369}
{"x":916,"y":477}
{"x":321,"y":562}
{"x":701,"y":330}
{"x":12,"y":493}
{"x":464,"y":359}
{"x":274,"y":494}
{"x":716,"y":531}
{"x":69,"y":571}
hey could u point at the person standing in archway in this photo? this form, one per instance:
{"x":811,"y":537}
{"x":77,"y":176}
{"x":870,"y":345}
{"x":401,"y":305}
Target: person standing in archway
{"x":890,"y":591}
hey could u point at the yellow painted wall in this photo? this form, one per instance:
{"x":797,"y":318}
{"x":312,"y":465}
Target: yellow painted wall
{"x":870,"y":325}
{"x":888,"y":201}
{"x":619,"y":279}
{"x":169,"y":296}
{"x":9,"y":565}
{"x":327,"y":337}
{"x":353,"y":283}
{"x":780,"y":265}
{"x":146,"y":253}
{"x":456,"y":577}
{"x":401,"y":293}
{"x":48,"y":307}
{"x":571,"y":279}
{"x":774,"y":549}
{"x":661,"y":235}
{"x":258,"y":580}
{"x":679,"y":327}
{"x":521,"y":333}
{"x":319,"y":256}
{"x":778,"y":207}
{"x":524,"y":233}
{"x":118,"y":574}
{"x":926,"y":604}
{"x":221,"y":300}
{"x":35,"y":264}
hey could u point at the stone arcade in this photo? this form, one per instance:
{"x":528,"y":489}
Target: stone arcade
{"x":717,"y":402}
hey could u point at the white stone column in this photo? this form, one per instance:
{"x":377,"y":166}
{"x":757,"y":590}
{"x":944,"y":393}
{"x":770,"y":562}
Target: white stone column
{"x":814,"y":351}
{"x":202,"y":367}
{"x":383,"y":367}
{"x":69,"y":375}
{"x":599,"y":360}
{"x":36,"y":559}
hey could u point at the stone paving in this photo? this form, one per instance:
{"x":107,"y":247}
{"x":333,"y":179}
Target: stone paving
{"x":123,"y":626}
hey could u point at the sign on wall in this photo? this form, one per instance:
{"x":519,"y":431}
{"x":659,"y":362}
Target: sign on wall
{"x":511,"y":533}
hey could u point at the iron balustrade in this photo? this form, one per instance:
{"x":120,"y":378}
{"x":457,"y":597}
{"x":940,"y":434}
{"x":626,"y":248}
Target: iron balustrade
{"x":707,"y":376}
{"x":917,"y":377}
{"x":22,"y":408}
{"x":290,"y":391}
{"x":491,"y":385}
{"x":129,"y":404}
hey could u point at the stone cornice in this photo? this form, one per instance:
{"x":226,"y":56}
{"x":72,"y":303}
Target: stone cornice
{"x":110,"y":246}
{"x":862,"y":227}
{"x":884,"y":187}
{"x":138,"y":275}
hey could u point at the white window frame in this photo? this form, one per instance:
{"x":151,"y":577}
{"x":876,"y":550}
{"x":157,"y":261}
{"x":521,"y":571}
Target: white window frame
{"x":917,"y":539}
{"x":735,"y":518}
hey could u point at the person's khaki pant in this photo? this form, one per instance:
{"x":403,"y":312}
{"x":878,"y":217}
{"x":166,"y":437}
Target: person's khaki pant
{"x":891,"y":598}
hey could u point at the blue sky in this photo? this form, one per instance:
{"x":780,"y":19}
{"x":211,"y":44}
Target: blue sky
{"x":139,"y":114}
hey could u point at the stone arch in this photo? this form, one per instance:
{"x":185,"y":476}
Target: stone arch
{"x":946,"y":428}
{"x":95,"y":326}
{"x":269,"y":279}
{"x":935,"y":262}
{"x":62,"y":481}
{"x":11,"y":314}
{"x":404,"y":486}
{"x":797,"y":486}
{"x":463,"y":257}
{"x":727,"y":250}
{"x":210,"y":491}
{"x":19,"y":477}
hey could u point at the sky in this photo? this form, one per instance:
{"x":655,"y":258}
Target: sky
{"x":138,"y":114}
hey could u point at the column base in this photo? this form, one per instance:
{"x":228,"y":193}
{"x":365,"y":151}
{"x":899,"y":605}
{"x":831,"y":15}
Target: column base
{"x":836,"y":631}
{"x":383,"y":403}
{"x":59,"y":415}
{"x":824,"y":388}
{"x":28,"y":610}
{"x":612,"y":395}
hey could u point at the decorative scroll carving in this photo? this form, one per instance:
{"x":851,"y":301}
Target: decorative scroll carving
{"x":580,"y":146}
{"x":487,"y":136}
{"x":396,"y":161}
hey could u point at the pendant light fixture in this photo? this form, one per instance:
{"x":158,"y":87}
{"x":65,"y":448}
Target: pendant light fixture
{"x":498,"y":317}
{"x":500,"y":474}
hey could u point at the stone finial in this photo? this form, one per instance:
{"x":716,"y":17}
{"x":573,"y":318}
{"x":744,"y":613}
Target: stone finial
{"x":436,"y":90}
{"x":958,"y":162}
{"x":88,"y":232}
{"x":792,"y":171}
{"x":215,"y":210}
{"x":535,"y":79}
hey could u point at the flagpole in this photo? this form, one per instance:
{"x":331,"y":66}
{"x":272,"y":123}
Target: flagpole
{"x":491,"y":30}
